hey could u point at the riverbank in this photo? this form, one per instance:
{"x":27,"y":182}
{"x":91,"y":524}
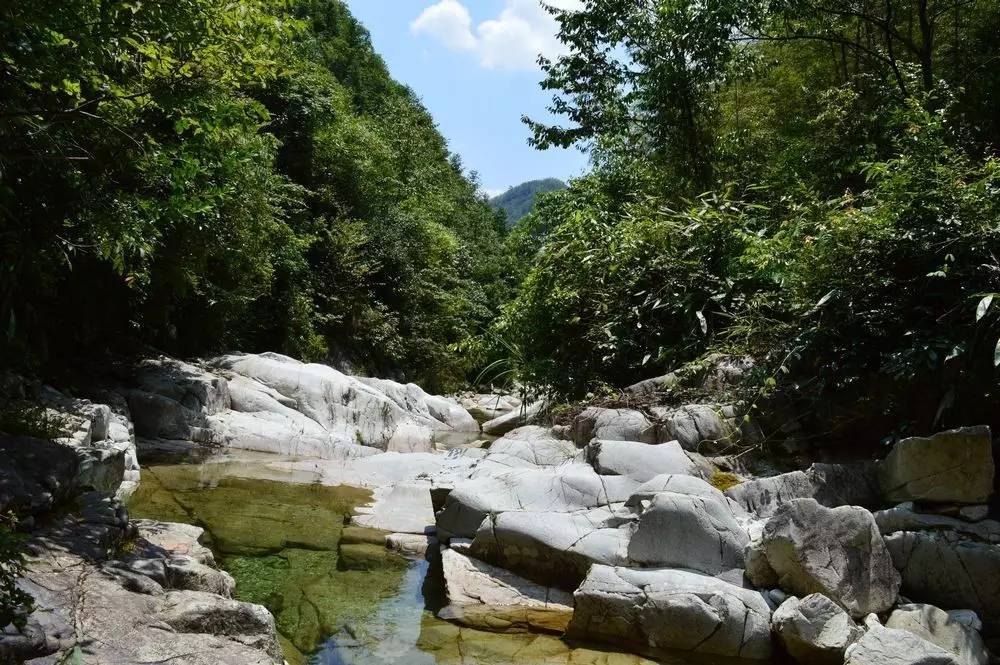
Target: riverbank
{"x":378,"y":525}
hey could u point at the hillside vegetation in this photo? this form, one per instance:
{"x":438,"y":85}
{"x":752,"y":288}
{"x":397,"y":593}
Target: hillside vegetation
{"x":519,"y":200}
{"x":203,"y":176}
{"x":812,"y":184}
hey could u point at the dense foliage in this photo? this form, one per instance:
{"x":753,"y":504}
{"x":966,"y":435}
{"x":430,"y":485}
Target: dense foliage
{"x":200,"y":176}
{"x":814,"y":184}
{"x":519,"y":200}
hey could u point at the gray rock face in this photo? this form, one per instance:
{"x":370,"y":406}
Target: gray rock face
{"x":490,"y":598}
{"x":656,"y":610}
{"x":612,"y":424}
{"x":950,"y":467}
{"x":640,"y":461}
{"x":35,"y":474}
{"x":837,"y":552}
{"x":688,"y":531}
{"x":949,"y":571}
{"x":887,"y":646}
{"x":831,"y":485}
{"x":815,"y":629}
{"x":552,"y":548}
{"x":937,"y":627}
{"x":566,"y":489}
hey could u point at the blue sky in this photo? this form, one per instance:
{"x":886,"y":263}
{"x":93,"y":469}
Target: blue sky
{"x":472,"y":63}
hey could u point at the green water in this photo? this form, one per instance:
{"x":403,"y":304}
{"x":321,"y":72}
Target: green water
{"x":339,"y":597}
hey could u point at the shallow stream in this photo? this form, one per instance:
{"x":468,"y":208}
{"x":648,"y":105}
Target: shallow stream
{"x":339,"y":596}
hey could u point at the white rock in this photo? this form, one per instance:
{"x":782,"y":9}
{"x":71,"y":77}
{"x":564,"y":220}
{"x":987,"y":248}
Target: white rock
{"x":639,"y":461}
{"x":936,"y":626}
{"x":612,"y":424}
{"x":815,"y":629}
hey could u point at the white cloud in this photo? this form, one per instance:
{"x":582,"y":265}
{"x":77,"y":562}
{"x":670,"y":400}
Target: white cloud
{"x":512,"y":40}
{"x":449,"y":22}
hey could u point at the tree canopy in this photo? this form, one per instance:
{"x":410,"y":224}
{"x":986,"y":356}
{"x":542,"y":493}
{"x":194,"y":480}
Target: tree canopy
{"x":201,"y":176}
{"x":811,"y":183}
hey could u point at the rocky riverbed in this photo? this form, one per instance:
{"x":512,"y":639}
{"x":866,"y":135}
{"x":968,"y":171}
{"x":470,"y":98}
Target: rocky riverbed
{"x":361,"y":520}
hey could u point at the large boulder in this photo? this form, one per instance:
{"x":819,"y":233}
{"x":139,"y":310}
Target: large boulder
{"x":815,"y":629}
{"x":612,"y":424}
{"x":555,"y":549}
{"x":938,"y":627}
{"x":200,"y":612}
{"x":490,"y":598}
{"x":679,"y":530}
{"x":640,"y":461}
{"x":838,"y":552}
{"x":949,"y":571}
{"x":525,"y":414}
{"x":699,"y":427}
{"x":565,"y":489}
{"x":888,"y":646}
{"x":485,"y":407}
{"x":529,"y":446}
{"x":831,"y":485}
{"x":950,"y":467}
{"x":655,"y":611}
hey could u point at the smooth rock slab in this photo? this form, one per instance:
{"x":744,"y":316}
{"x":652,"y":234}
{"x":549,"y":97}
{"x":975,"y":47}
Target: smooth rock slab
{"x":950,"y":467}
{"x":815,"y":629}
{"x":938,"y":627}
{"x":491,"y":598}
{"x":838,"y":552}
{"x":657,"y":610}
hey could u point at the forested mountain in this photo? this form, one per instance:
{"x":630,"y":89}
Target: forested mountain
{"x":811,"y":184}
{"x":518,"y":201}
{"x":199,"y":176}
